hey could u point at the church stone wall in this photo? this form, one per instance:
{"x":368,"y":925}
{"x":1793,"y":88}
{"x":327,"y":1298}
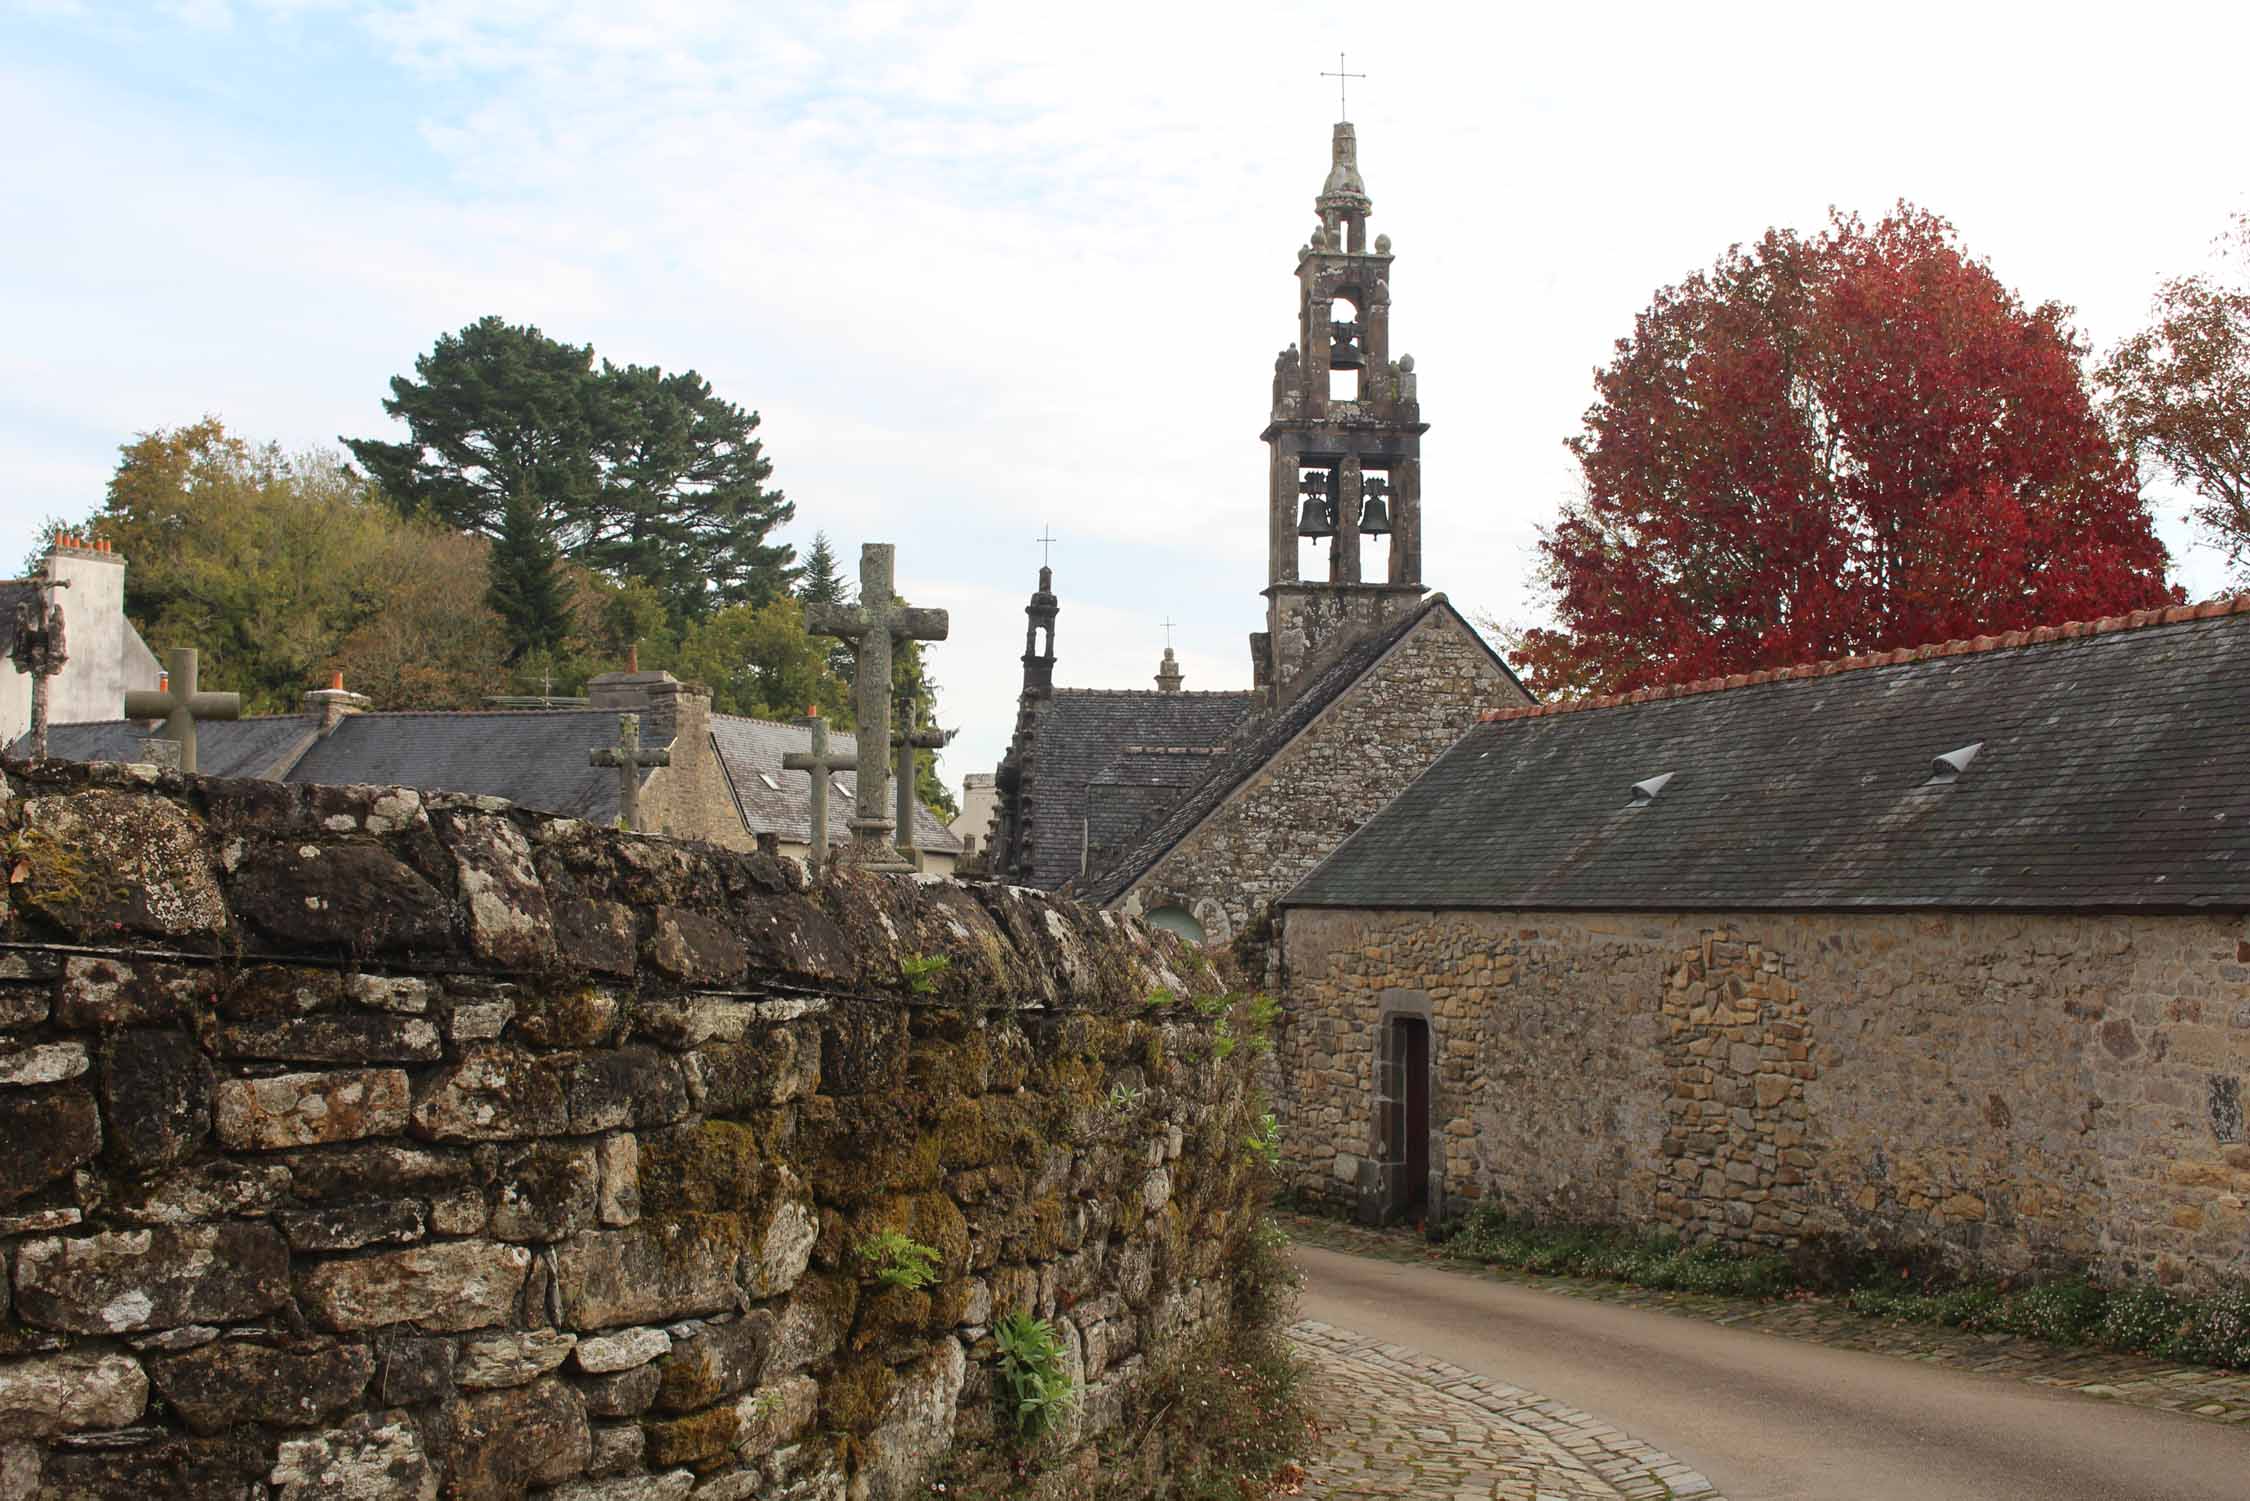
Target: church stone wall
{"x":2006,"y":1093}
{"x":364,"y":1143}
{"x":1352,"y":760}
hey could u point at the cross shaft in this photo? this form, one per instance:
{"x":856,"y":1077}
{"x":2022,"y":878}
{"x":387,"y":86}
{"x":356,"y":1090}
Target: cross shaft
{"x":628,"y":755}
{"x":821,"y":762}
{"x":905,"y":743}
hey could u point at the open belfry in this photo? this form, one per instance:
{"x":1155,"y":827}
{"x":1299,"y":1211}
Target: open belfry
{"x":1200,"y":808}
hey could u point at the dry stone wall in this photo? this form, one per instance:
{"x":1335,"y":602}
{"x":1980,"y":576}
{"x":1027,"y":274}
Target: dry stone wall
{"x":367,"y":1144}
{"x":2002,"y":1092}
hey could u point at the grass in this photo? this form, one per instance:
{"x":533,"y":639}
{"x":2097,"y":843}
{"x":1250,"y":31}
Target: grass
{"x":2137,"y":1318}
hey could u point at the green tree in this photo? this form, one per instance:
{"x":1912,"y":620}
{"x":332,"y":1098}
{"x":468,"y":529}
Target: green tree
{"x":758,"y":661}
{"x":819,"y":582}
{"x":527,"y":591}
{"x":280,"y":568}
{"x":632,"y":472}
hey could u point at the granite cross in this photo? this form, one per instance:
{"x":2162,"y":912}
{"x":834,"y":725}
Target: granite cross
{"x":880,"y":621}
{"x":628,"y":755}
{"x":39,"y":652}
{"x":822,"y":763}
{"x":180,"y":704}
{"x":906,"y":743}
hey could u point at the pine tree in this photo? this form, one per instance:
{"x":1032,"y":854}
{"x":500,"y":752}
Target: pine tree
{"x":527,"y":589}
{"x":820,"y":583}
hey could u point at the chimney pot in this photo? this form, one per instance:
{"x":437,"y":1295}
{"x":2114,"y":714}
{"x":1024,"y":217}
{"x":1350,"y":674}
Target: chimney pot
{"x":336,"y":680}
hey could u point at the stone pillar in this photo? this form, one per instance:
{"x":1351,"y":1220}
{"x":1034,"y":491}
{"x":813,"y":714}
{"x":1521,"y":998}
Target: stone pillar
{"x":1343,"y":564}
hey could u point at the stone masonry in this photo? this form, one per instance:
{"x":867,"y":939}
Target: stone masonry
{"x":2005,"y":1093}
{"x":1325,"y":783}
{"x":368,"y":1144}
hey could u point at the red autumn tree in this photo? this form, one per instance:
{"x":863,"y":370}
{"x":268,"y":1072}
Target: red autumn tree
{"x":1833,"y":445}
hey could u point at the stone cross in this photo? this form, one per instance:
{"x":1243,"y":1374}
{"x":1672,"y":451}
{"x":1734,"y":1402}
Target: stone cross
{"x":628,"y":755}
{"x":1343,"y":79}
{"x":874,"y":626}
{"x":179,"y":703}
{"x":39,"y":652}
{"x":821,"y":762}
{"x":905,"y":743}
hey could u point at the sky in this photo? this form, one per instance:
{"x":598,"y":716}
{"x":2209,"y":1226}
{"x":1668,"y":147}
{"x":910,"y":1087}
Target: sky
{"x":986,"y":268}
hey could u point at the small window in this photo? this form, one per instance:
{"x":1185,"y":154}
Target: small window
{"x":1647,"y":792}
{"x":771,"y":784}
{"x":1177,"y":920}
{"x":1948,"y":767}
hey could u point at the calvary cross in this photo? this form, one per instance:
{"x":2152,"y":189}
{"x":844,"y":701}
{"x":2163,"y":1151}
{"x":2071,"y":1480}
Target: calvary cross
{"x":628,"y":755}
{"x":878,"y":622}
{"x":179,"y":704}
{"x":906,"y":744}
{"x":821,"y":762}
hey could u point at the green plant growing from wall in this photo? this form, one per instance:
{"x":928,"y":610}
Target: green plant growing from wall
{"x":1223,"y":1040}
{"x":1036,"y":1389}
{"x":900,"y":1261}
{"x":1124,"y":1099}
{"x":921,"y":971}
{"x":1264,"y":1140}
{"x":1262,"y":1012}
{"x":1160,"y":997}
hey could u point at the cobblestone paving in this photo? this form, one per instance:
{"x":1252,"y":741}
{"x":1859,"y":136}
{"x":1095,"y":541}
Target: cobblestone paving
{"x":1399,"y":1426}
{"x":2199,"y":1391}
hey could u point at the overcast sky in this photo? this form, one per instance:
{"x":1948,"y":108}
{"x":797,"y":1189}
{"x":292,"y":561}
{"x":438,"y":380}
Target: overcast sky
{"x":987,"y":267}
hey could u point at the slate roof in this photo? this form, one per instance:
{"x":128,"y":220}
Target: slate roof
{"x":535,"y":757}
{"x":223,"y":748}
{"x":1256,"y":743}
{"x":748,"y":747}
{"x":2110,"y":778}
{"x":1078,"y":732}
{"x":1140,"y":786}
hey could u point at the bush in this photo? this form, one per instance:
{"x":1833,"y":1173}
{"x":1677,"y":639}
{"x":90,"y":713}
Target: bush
{"x":1487,"y":1234}
{"x":2140,"y":1317}
{"x":2217,"y":1331}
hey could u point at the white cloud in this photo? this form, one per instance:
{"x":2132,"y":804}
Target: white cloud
{"x":989,"y":265}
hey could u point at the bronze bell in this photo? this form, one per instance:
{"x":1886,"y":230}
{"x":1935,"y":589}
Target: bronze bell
{"x":1313,"y":518}
{"x":1374,"y":514}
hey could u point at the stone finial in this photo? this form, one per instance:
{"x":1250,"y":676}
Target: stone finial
{"x":1168,"y":673}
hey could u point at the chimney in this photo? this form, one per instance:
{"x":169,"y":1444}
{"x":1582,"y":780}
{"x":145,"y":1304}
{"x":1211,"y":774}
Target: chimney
{"x":334,"y":704}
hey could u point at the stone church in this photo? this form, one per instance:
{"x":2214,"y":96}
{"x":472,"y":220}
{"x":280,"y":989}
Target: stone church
{"x":1199,"y":809}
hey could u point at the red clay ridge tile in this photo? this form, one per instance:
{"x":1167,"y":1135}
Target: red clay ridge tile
{"x":2069,"y":630}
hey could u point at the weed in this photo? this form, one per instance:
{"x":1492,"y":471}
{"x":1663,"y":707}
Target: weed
{"x":1160,"y":997}
{"x":1035,"y":1389}
{"x":921,"y":971}
{"x":1264,"y":1142}
{"x":900,"y":1260}
{"x":1124,"y":1099}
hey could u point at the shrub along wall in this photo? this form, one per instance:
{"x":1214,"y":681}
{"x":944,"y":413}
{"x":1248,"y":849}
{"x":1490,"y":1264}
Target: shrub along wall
{"x":359,"y":1143}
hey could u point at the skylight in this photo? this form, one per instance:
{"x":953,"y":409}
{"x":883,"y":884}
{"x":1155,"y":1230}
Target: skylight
{"x":771,"y":784}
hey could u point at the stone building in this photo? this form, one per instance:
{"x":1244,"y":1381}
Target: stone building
{"x":1197,"y":809}
{"x":106,"y":655}
{"x":1941,"y":951}
{"x":724,"y":783}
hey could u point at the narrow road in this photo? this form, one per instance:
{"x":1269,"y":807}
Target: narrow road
{"x":1771,"y":1419}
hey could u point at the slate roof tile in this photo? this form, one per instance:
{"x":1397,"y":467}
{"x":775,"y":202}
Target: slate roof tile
{"x":2109,"y":779}
{"x":748,"y":747}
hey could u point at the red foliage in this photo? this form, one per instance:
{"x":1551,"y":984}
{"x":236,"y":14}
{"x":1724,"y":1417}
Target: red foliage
{"x":1829,"y":446}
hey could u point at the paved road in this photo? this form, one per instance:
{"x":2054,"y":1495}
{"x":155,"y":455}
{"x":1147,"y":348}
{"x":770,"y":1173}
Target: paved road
{"x":1778,"y":1420}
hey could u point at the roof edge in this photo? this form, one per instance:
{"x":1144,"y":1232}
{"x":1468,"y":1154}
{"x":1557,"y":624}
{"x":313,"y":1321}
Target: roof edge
{"x":2210,"y":609}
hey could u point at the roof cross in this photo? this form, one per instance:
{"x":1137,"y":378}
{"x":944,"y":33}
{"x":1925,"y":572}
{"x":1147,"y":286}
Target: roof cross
{"x":822,"y":763}
{"x":1046,"y":540}
{"x":874,"y":626}
{"x":628,"y":755}
{"x":1169,"y":622}
{"x":1341,"y":78}
{"x":179,"y":704}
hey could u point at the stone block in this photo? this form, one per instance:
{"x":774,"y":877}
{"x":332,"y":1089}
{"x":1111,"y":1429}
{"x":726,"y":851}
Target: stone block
{"x":133,"y":862}
{"x":302,"y":1110}
{"x":41,"y":1063}
{"x":347,"y":1227}
{"x":916,"y":1427}
{"x":601,"y":1354}
{"x":354,"y":897}
{"x":584,"y":1016}
{"x":497,"y":1092}
{"x":444,"y":1287}
{"x":226,"y":1468}
{"x":780,"y":1066}
{"x":693,"y":949}
{"x":157,"y":1095}
{"x":622,"y":1394}
{"x":656,"y":1271}
{"x":616,"y":1450}
{"x":204,"y":1191}
{"x":51,"y":1394}
{"x":673,"y":1485}
{"x":229,"y":1382}
{"x":417,"y":1369}
{"x":781,"y":1251}
{"x":405,"y":997}
{"x":48,"y":1132}
{"x":600,"y":936}
{"x":505,"y":1442}
{"x":715,"y":1361}
{"x":509,"y":921}
{"x":374,"y":1456}
{"x":479,"y":1021}
{"x":340,"y":1037}
{"x":619,"y":1158}
{"x":615,"y":1088}
{"x":511,"y":1358}
{"x":121,"y":1281}
{"x":545,"y":1190}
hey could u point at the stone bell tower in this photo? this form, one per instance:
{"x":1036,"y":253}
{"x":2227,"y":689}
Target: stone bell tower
{"x":1346,"y":442}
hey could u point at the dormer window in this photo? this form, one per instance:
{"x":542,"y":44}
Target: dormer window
{"x":1948,"y":767}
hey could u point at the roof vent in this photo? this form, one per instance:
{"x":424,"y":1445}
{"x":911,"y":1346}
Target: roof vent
{"x":771,"y":784}
{"x":1950,"y":765}
{"x":1645,"y":793}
